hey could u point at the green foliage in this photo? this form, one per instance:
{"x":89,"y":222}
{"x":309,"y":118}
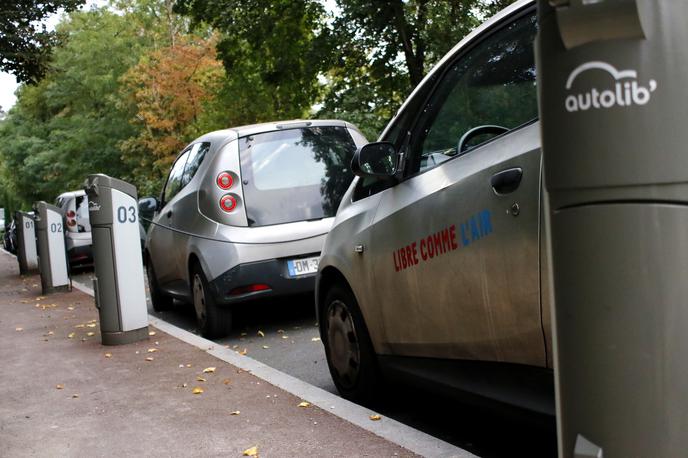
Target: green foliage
{"x":24,"y":45}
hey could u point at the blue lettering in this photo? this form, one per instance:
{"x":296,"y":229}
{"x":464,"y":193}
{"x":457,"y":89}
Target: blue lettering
{"x":485,"y":223}
{"x":464,"y":238}
{"x":475,"y":233}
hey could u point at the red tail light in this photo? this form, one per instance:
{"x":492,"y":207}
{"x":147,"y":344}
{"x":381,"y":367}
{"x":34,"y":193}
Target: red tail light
{"x":249,"y":289}
{"x":225,"y":180}
{"x":228,"y":203}
{"x":71,"y":222}
{"x":71,"y":214}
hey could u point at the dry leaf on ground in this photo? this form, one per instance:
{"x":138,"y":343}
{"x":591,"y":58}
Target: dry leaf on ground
{"x":236,"y":412}
{"x":152,"y":350}
{"x":151,"y":333}
{"x":253,"y":451}
{"x":71,"y":335}
{"x":209,"y":370}
{"x":375,"y":417}
{"x":305,"y":404}
{"x":315,"y":339}
{"x":261,"y":333}
{"x":200,"y":379}
{"x":18,"y":329}
{"x":60,"y":386}
{"x":150,"y":358}
{"x":197,"y":390}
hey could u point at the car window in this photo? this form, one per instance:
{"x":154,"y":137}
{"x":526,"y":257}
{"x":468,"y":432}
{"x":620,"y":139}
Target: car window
{"x":485,"y":93}
{"x":174,"y":180}
{"x":196,"y":156}
{"x":295,"y":174}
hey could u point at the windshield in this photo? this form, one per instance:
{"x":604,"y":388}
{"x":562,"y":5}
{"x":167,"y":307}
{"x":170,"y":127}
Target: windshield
{"x":295,"y":174}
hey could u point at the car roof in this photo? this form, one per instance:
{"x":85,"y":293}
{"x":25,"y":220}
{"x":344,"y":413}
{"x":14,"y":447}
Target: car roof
{"x":235,"y":132}
{"x":72,"y":194}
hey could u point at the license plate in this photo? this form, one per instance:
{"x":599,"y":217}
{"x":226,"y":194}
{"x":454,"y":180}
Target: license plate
{"x":298,"y":267}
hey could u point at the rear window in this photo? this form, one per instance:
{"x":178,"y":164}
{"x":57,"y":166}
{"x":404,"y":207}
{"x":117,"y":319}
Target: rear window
{"x":295,"y":174}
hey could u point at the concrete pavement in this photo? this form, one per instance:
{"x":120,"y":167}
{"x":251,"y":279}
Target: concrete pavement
{"x":64,"y":394}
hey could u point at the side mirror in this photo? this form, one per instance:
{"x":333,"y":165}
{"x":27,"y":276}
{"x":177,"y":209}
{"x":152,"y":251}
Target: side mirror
{"x":378,"y":159}
{"x":148,"y":206}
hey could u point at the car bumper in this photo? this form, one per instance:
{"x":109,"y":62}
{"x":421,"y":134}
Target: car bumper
{"x":273,"y":273}
{"x":80,"y":254}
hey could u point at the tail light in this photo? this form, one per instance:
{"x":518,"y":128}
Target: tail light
{"x":225,"y":180}
{"x":71,"y":221}
{"x":228,"y":203}
{"x":249,"y":289}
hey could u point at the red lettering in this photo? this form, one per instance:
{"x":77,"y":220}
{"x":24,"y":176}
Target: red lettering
{"x":409,"y":255}
{"x":414,"y":250}
{"x":397,"y":268}
{"x":437,"y":241}
{"x":402,"y":254}
{"x":452,"y":233}
{"x":423,"y":250}
{"x":431,"y":247}
{"x":446,"y":244}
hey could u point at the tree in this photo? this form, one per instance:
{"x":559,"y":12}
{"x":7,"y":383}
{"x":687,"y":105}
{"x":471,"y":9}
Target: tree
{"x":172,"y":89}
{"x":25,"y":44}
{"x":385,"y":48}
{"x":272,"y":50}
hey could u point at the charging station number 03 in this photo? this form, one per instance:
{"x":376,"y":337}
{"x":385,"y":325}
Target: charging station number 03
{"x":126,"y":214}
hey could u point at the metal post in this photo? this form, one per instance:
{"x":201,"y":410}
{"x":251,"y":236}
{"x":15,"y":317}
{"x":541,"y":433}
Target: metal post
{"x":612,"y":76}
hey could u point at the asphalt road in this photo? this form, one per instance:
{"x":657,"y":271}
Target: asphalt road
{"x":290,"y":343}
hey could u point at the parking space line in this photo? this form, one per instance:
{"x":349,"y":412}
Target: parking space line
{"x":395,"y":432}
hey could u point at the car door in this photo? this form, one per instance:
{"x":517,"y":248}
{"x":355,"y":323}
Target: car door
{"x":456,"y":241}
{"x":161,"y":240}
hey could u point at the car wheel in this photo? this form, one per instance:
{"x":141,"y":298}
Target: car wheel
{"x":349,"y":350}
{"x":160,"y":301}
{"x":213,"y":321}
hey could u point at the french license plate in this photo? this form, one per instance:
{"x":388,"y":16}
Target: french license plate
{"x":298,"y":267}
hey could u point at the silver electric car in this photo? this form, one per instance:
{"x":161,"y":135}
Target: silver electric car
{"x":78,"y":241}
{"x":434,"y":266}
{"x":244,"y":213}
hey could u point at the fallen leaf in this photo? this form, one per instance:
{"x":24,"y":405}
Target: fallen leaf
{"x":152,"y":350}
{"x":266,"y":346}
{"x":261,"y":333}
{"x":253,"y":451}
{"x":304,"y":404}
{"x":280,"y":331}
{"x":90,"y":334}
{"x":71,"y":335}
{"x":188,"y":365}
{"x":200,"y":379}
{"x":208,"y":370}
{"x":375,"y":417}
{"x":50,"y":333}
{"x":243,"y":352}
{"x":18,"y":329}
{"x":75,"y":395}
{"x":70,"y":308}
{"x":236,"y":412}
{"x":285,"y":337}
{"x":226,"y":381}
{"x":315,"y":339}
{"x":80,"y":326}
{"x":108,"y":355}
{"x":197,"y":390}
{"x":151,"y":333}
{"x":150,"y":358}
{"x":24,"y":302}
{"x":60,"y":386}
{"x":91,"y":325}
{"x":243,"y":334}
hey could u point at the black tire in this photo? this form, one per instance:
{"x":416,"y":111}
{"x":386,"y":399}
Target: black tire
{"x":213,"y":321}
{"x":349,"y":350}
{"x":160,"y":301}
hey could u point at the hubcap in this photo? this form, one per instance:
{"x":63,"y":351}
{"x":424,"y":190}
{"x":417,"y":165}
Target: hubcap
{"x":343,"y":344}
{"x":199,"y":298}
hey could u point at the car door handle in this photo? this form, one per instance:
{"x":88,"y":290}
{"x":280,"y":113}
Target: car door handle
{"x":169,"y":213}
{"x":506,"y":181}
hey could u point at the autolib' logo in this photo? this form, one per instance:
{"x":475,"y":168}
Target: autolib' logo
{"x":93,"y":206}
{"x":626,"y":90}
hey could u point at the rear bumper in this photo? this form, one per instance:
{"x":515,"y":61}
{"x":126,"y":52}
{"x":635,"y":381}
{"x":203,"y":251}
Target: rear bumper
{"x":272,"y":272}
{"x":80,"y":254}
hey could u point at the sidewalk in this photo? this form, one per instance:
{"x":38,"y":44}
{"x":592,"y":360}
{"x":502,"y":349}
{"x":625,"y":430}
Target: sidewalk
{"x":64,"y":394}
